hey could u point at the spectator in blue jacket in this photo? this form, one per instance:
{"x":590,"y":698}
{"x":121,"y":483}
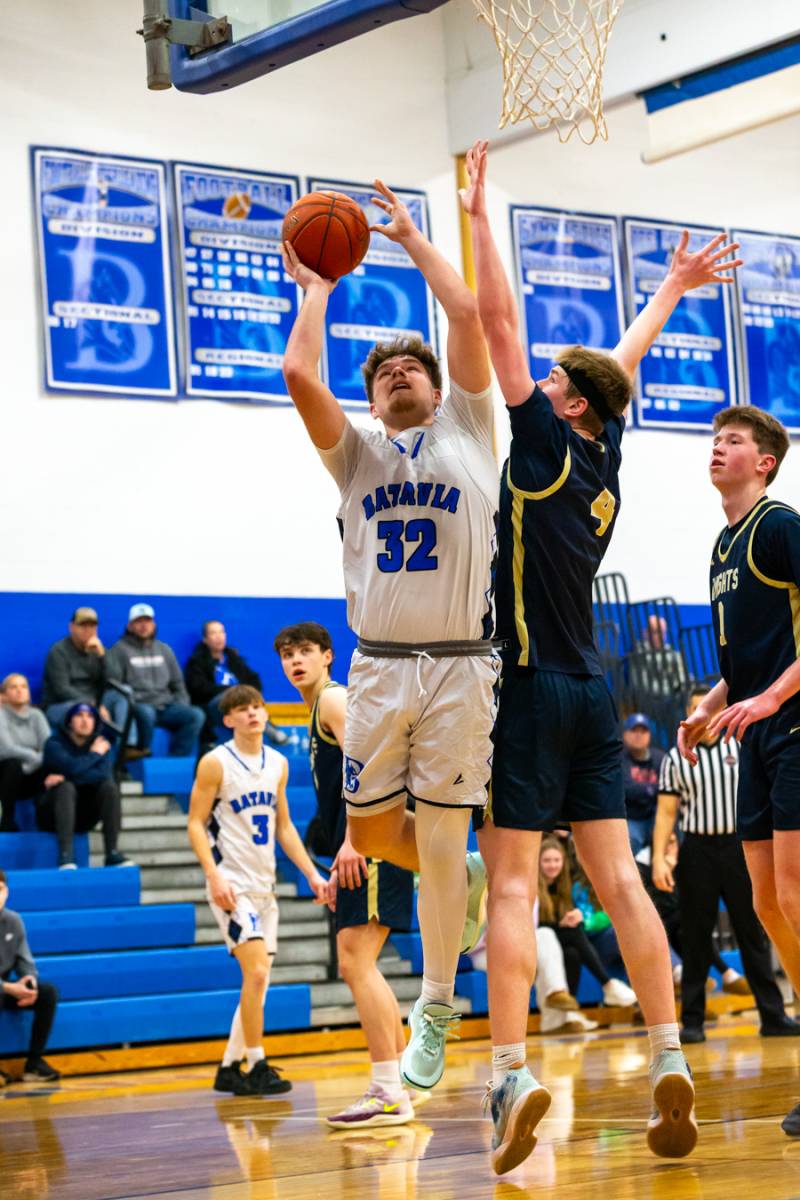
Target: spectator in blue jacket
{"x":80,"y":789}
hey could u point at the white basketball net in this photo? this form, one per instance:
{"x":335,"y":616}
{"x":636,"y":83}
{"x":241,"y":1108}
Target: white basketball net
{"x":553,"y":54}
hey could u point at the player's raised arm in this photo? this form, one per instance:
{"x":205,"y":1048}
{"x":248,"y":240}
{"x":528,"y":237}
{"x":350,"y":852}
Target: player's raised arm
{"x":496,"y":304}
{"x":467,"y":360}
{"x":316,"y":404}
{"x":687,"y":271}
{"x":204,"y":793}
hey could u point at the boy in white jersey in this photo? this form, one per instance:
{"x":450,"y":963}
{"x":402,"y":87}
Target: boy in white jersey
{"x":237,"y":809}
{"x":418,"y":506}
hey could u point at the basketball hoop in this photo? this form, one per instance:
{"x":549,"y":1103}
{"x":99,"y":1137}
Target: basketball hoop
{"x":553,"y":54}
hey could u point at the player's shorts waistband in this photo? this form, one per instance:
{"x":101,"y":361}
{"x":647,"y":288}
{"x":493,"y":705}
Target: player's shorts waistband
{"x":480,"y":648}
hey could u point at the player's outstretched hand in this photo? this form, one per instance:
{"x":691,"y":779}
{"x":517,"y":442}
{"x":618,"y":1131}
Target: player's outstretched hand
{"x":319,"y":887}
{"x":704,"y":266}
{"x":351,"y":866}
{"x":473,"y":198}
{"x":222,"y":893}
{"x":737,"y":717}
{"x":689,"y":733}
{"x":400,"y":226}
{"x":303,"y":276}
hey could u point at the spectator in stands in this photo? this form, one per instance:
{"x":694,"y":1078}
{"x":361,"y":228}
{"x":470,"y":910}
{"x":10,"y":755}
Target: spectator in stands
{"x":213,"y":667}
{"x":26,"y":990}
{"x":641,"y":762}
{"x":75,"y":667}
{"x":158,"y":693}
{"x":23,"y":733}
{"x":558,"y":911}
{"x":660,"y":668}
{"x":712,"y":867}
{"x":79,"y":787}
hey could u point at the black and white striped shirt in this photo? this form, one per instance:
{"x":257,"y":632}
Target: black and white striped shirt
{"x":707,"y":791}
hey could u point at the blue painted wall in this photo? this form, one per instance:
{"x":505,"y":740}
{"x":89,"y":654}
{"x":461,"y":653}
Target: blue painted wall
{"x":32,"y":621}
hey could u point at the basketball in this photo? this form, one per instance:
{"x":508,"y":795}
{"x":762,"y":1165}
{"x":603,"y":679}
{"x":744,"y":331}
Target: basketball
{"x":237,"y":205}
{"x":329,"y":233}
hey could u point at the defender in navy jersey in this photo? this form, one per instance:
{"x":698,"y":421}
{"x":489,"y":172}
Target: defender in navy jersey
{"x":237,"y":811}
{"x":755,"y":604}
{"x":372,"y":897}
{"x":557,"y":745}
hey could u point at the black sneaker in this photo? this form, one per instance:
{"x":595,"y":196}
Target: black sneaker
{"x":227,"y":1078}
{"x":791,"y":1123}
{"x":691,"y":1034}
{"x":37,"y":1069}
{"x":785,"y":1028}
{"x":261,"y":1080}
{"x":117,"y":859}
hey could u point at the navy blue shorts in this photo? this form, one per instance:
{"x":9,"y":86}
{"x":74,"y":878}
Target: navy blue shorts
{"x":387,"y":894}
{"x":768,"y":797}
{"x":558,"y":753}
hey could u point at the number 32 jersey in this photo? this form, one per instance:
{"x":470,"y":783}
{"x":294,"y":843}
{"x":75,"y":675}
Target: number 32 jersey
{"x":241,"y":827}
{"x":418,"y":515}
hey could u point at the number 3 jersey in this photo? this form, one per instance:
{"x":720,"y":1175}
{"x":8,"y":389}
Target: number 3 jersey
{"x":418,"y":515}
{"x":559,"y":499}
{"x":241,"y":827}
{"x":755,"y":598}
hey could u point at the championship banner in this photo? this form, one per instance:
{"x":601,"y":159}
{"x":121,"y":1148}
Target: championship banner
{"x":768,"y":288}
{"x":238,"y":305}
{"x":384,"y":297}
{"x":104,"y":274}
{"x":689,"y":373}
{"x":569,"y":282}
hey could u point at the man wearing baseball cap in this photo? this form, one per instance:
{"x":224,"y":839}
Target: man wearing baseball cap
{"x":75,"y":667}
{"x":159,"y":696}
{"x":641,"y":762}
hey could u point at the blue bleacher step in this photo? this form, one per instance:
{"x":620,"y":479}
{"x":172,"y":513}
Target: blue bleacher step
{"x":32,"y":851}
{"x":82,"y":1024}
{"x":92,"y":929}
{"x":140,"y":972}
{"x":164,"y":775}
{"x":40,"y":890}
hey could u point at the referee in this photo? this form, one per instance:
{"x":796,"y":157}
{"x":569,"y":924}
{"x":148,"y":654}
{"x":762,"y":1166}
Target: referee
{"x":711,"y":867}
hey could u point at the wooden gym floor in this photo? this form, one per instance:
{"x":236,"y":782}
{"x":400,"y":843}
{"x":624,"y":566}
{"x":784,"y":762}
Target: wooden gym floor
{"x":166,"y":1134}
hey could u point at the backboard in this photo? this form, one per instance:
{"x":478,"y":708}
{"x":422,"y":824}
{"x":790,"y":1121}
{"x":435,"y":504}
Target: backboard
{"x":267,"y":34}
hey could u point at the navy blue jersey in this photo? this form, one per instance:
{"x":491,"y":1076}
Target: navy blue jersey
{"x":325,"y":757}
{"x":755,"y":598}
{"x":559,"y":499}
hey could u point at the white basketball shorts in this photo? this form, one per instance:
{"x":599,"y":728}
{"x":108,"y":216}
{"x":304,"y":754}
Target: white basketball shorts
{"x":254,"y":917}
{"x":420,"y":727}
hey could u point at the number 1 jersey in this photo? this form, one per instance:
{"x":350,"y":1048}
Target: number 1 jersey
{"x":241,"y":827}
{"x":418,"y":516}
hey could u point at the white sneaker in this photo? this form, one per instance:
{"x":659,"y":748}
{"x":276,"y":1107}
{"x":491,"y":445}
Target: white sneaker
{"x":618,"y":995}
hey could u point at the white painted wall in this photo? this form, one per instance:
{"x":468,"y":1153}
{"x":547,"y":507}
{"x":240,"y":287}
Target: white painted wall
{"x":114,"y":495}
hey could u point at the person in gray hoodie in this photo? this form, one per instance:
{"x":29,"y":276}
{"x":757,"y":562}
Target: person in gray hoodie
{"x":27,"y":990}
{"x":158,"y":692}
{"x":23,"y":733}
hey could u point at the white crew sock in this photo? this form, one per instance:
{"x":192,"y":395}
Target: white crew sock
{"x":663,"y":1037}
{"x":254,"y":1055}
{"x":234,"y":1051}
{"x":504,"y":1058}
{"x":441,"y":835}
{"x":387,"y":1075}
{"x":436,"y":993}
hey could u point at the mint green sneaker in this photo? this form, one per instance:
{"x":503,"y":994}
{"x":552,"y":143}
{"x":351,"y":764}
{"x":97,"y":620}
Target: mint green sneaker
{"x":422,"y":1063}
{"x":672,"y":1129}
{"x":475,"y":921}
{"x":517,"y":1107}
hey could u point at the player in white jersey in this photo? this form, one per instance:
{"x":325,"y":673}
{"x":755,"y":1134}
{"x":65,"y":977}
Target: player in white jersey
{"x":237,"y":810}
{"x":418,"y":506}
